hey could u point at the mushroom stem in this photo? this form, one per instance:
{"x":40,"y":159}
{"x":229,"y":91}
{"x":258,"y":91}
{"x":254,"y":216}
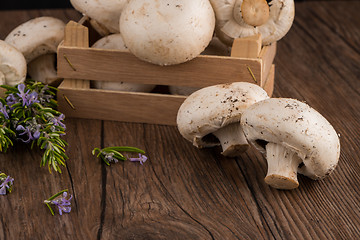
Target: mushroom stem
{"x":42,"y":68}
{"x":282,"y":167}
{"x":232,"y":139}
{"x":255,"y":12}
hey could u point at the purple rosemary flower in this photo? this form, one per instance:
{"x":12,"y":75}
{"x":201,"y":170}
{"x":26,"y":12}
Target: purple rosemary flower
{"x":57,"y":121}
{"x":6,"y":184}
{"x":3,"y":110}
{"x":31,"y":98}
{"x":34,"y":128}
{"x":23,"y":95}
{"x":141,"y":159}
{"x":11,"y":99}
{"x":110,"y":157}
{"x":27,"y":131}
{"x":63,"y":203}
{"x":43,"y":97}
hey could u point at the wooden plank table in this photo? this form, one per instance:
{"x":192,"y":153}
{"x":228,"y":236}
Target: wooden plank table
{"x":185,"y":193}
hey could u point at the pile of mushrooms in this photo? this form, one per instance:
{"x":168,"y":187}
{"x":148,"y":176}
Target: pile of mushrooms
{"x":294,"y":137}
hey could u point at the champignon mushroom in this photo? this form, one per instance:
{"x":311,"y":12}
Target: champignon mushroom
{"x":243,"y":18}
{"x":104,"y":15}
{"x":43,"y":69}
{"x":35,"y":38}
{"x":294,"y":137}
{"x":167,"y":32}
{"x":12,"y":65}
{"x":115,"y":41}
{"x":211,"y":116}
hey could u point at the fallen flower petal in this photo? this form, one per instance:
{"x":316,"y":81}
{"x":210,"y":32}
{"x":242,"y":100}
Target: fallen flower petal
{"x":142,"y":158}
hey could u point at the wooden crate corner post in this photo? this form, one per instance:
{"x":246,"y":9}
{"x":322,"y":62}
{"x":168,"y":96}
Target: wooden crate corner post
{"x":76,"y":35}
{"x":251,"y":48}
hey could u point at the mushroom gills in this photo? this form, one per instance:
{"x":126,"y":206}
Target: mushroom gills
{"x":283,"y":164}
{"x":232,"y":140}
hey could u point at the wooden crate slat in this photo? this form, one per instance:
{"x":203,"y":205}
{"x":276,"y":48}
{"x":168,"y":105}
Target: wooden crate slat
{"x":120,"y":106}
{"x":114,"y":65}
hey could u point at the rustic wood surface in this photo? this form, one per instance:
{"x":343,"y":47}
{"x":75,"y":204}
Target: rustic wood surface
{"x":185,"y":193}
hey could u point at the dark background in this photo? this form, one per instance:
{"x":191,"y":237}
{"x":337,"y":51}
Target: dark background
{"x":33,"y":4}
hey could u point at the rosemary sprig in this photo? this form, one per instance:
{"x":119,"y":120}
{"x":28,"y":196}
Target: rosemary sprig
{"x":6,"y":183}
{"x":113,"y":154}
{"x":62,"y":203}
{"x":28,"y":113}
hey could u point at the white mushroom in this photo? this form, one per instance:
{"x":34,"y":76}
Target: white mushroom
{"x":104,"y":15}
{"x":12,"y":65}
{"x":294,"y":137}
{"x":43,"y":69}
{"x":35,"y":38}
{"x":211,"y":116}
{"x":167,"y":32}
{"x":243,"y":18}
{"x":115,"y":41}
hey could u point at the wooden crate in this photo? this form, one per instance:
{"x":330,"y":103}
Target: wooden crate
{"x":77,"y":64}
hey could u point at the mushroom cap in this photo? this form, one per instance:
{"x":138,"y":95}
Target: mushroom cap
{"x":211,"y":108}
{"x":12,"y":65}
{"x":115,"y":41}
{"x":298,"y":127}
{"x":230,"y":23}
{"x":105,"y":12}
{"x":37,"y":36}
{"x":165,"y":32}
{"x":112,"y":41}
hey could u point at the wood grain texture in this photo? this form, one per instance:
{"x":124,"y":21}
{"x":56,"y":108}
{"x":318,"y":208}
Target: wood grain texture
{"x":203,"y":71}
{"x":186,"y":193}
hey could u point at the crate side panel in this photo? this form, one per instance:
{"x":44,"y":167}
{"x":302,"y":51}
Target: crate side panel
{"x":269,"y":83}
{"x":267,"y":56}
{"x":119,"y":106}
{"x":112,"y":65}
